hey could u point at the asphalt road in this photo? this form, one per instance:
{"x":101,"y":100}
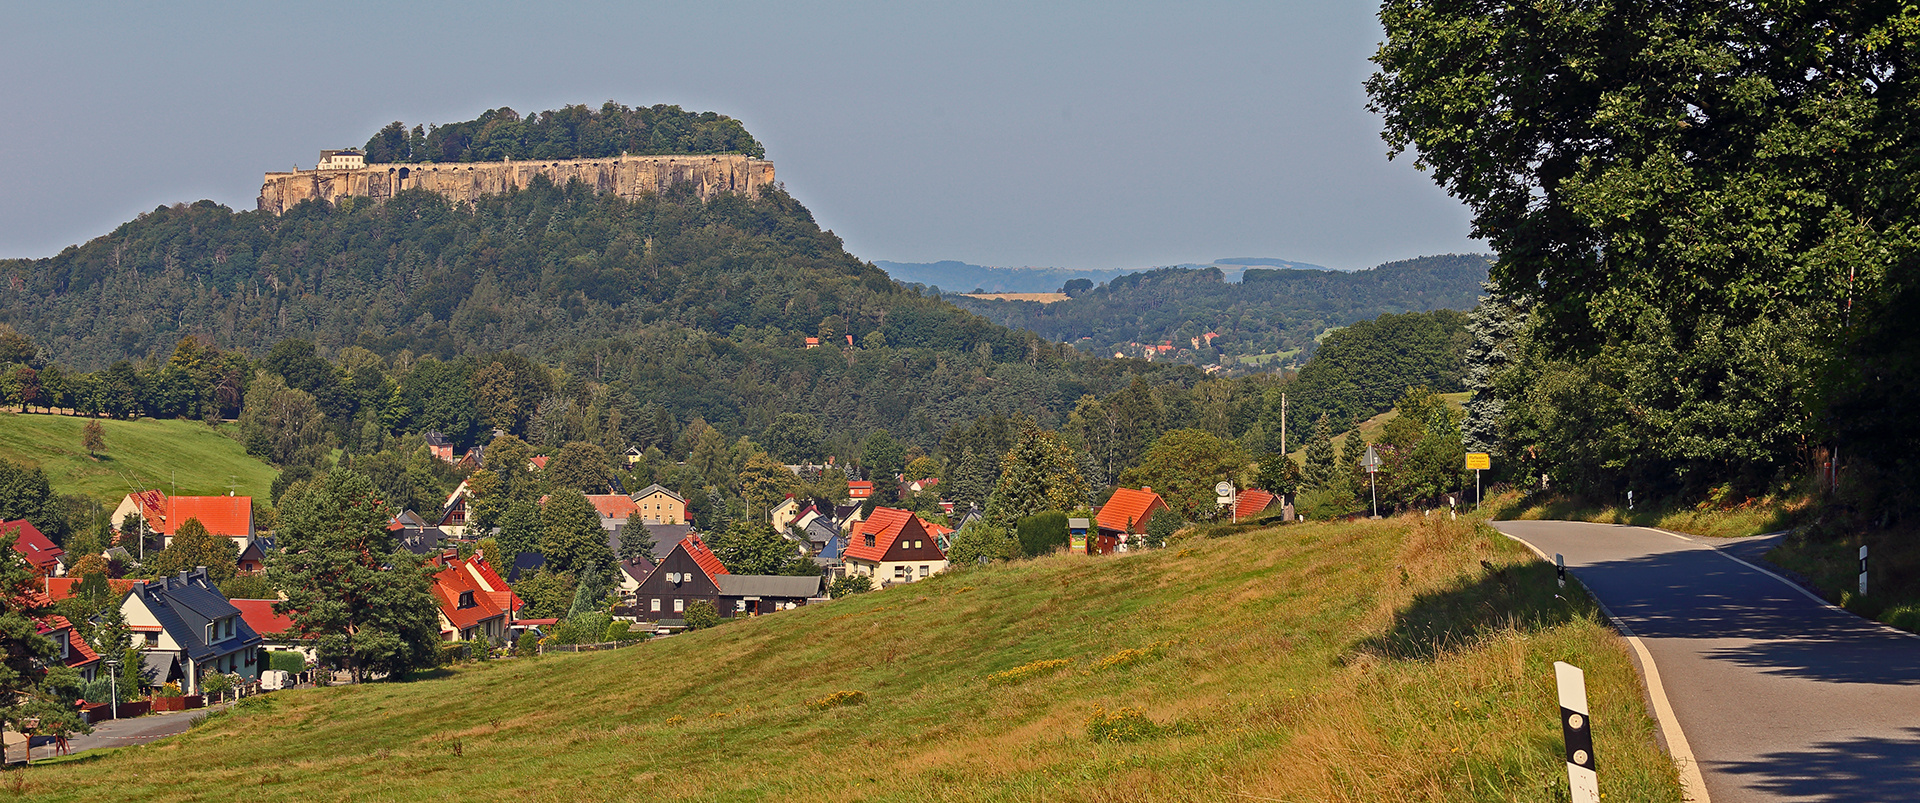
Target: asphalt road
{"x":1780,"y":697}
{"x":123,"y":732}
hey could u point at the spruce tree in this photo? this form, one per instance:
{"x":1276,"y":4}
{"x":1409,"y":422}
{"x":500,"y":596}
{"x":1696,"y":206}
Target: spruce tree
{"x":1321,"y":469}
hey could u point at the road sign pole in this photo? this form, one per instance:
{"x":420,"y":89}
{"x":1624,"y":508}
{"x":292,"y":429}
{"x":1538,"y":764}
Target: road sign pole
{"x":1576,"y":728}
{"x":1476,"y":489}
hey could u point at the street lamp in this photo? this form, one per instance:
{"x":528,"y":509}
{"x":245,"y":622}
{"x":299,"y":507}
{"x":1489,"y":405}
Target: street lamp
{"x":113,"y":683}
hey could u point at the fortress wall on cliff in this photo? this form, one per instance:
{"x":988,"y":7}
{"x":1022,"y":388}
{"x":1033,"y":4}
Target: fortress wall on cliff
{"x":626,"y":176}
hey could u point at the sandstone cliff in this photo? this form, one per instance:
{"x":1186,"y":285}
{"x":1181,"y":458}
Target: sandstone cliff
{"x":626,"y":176}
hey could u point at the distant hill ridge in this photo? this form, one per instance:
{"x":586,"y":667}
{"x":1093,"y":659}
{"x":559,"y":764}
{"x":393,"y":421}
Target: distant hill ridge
{"x":959,"y":277}
{"x":1272,"y":312}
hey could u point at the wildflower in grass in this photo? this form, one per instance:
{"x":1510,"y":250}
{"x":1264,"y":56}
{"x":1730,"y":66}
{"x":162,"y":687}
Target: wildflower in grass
{"x":1120,"y":725}
{"x":1027,"y":670}
{"x":838,"y":699}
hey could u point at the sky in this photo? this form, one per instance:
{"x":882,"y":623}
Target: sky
{"x":1078,"y":135}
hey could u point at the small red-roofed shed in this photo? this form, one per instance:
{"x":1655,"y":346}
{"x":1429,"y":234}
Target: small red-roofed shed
{"x":1125,"y":515}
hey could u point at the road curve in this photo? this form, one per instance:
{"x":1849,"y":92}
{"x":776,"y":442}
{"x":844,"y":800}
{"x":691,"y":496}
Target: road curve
{"x":1780,"y":697}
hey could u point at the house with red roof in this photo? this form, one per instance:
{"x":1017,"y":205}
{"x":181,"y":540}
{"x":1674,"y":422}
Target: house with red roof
{"x":59,"y":588}
{"x":474,"y":602}
{"x":231,"y":516}
{"x":893,"y":546}
{"x":36,"y":548}
{"x":74,"y":650}
{"x":276,"y":630}
{"x":859,"y":489}
{"x":1124,"y":517}
{"x":1251,"y":503}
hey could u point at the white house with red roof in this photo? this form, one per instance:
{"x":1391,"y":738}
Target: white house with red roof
{"x":474,"y":602}
{"x":893,"y":546}
{"x":231,"y":516}
{"x":33,"y":546}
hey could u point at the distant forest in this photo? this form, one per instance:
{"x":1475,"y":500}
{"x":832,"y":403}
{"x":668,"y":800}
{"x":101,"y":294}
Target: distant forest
{"x":1268,"y":312}
{"x":572,"y":132}
{"x":702,"y":307}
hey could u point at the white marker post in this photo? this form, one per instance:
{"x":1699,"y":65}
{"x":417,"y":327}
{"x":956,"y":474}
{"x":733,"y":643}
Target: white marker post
{"x":1576,"y":725}
{"x":1863,"y":570}
{"x":1371,"y":462}
{"x":1560,"y":568}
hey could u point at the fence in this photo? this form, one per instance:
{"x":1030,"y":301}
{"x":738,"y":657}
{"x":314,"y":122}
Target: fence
{"x":604,"y":645}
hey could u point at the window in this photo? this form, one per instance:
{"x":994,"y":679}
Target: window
{"x":152,"y":639}
{"x":917,"y":542}
{"x":656,"y":604}
{"x":679,"y":606}
{"x":740,"y":605}
{"x":869,"y":539}
{"x":899,"y":572}
{"x":923,"y":570}
{"x":466,"y":601}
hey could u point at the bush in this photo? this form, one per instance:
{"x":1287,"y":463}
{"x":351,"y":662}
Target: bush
{"x":621,"y":630}
{"x":286,"y":661}
{"x":172,"y":689}
{"x":1160,"y":528}
{"x":702,"y":615}
{"x":850,"y":584}
{"x":529,"y":644}
{"x":215,"y":684}
{"x":1042,"y":533}
{"x":587,"y":628}
{"x":1322,"y":504}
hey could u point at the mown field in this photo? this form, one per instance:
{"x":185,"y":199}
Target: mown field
{"x":148,"y":453}
{"x":1361,"y":661}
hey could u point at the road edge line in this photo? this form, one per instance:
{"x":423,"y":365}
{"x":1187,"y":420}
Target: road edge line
{"x":1822,"y":601}
{"x":1693,"y":785}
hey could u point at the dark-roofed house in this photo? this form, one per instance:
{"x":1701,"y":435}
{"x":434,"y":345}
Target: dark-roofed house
{"x":525,"y":563}
{"x":412,"y":533}
{"x":439,"y":446}
{"x":188,"y":629}
{"x":74,"y":652}
{"x":755,"y":594}
{"x":686,"y":575}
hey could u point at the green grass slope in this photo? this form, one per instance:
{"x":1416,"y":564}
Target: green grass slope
{"x":1363,"y":661}
{"x":147,"y":453}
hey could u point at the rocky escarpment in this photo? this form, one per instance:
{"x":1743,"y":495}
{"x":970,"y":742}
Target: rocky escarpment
{"x":626,"y":176}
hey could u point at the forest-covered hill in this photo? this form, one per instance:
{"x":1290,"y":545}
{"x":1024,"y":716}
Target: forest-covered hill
{"x":1268,"y":313}
{"x":701,"y":307}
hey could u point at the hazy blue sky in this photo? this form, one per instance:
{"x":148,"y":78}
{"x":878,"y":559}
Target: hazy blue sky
{"x":1096,"y":135}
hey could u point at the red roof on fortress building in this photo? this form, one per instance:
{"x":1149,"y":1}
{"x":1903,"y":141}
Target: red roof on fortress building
{"x":1128,"y":510}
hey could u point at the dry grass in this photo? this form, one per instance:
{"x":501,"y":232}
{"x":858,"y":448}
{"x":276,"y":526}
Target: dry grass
{"x":1326,"y":662}
{"x":1747,"y":517}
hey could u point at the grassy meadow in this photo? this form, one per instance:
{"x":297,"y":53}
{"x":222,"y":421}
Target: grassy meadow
{"x":1402,"y":659}
{"x":1752,"y":517}
{"x":148,"y":453}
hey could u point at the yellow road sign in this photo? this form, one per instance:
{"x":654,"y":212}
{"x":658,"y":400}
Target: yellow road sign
{"x":1479,"y":461}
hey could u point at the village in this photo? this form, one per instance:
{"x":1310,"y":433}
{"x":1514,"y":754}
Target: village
{"x":189,"y":645}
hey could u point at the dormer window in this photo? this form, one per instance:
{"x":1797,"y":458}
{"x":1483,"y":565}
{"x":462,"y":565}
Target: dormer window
{"x":466,"y":600}
{"x":869,"y":539}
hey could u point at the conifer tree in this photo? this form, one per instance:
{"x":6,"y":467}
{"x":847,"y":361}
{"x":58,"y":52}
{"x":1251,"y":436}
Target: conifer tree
{"x":1322,"y":468}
